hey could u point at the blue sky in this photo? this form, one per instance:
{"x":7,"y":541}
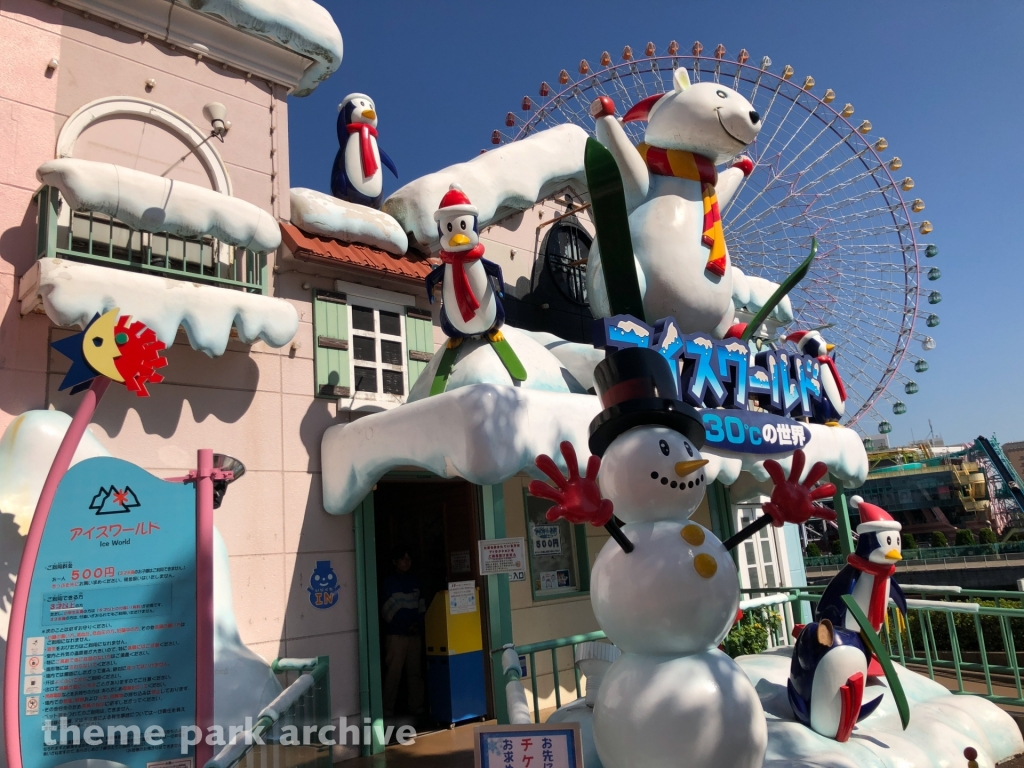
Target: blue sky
{"x":940,"y":80}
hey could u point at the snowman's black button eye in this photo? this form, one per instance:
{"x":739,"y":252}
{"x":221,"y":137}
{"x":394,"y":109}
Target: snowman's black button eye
{"x":689,"y":449}
{"x":722,"y":94}
{"x":462,"y":224}
{"x":664,"y":447}
{"x":449,"y":226}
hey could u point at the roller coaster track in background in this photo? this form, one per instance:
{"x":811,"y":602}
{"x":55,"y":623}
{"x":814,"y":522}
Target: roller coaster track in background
{"x":1011,"y":480}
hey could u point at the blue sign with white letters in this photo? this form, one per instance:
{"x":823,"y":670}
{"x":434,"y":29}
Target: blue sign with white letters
{"x":323,"y":585}
{"x":752,"y":431}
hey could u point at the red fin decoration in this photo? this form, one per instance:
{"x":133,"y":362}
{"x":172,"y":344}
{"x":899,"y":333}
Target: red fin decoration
{"x":140,"y":356}
{"x":852,"y":694}
{"x":642,"y":109}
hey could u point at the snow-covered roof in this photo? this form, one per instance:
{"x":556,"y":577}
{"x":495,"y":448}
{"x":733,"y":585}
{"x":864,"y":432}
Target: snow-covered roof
{"x":326,"y":215}
{"x":487,"y":433}
{"x":302,"y":26}
{"x":72,"y":294}
{"x":154,"y":204}
{"x":510,"y":178}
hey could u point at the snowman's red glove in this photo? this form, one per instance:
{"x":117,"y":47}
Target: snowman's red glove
{"x":577,"y":499}
{"x":793,"y":501}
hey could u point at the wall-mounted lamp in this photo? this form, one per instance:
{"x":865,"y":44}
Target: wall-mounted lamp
{"x":52,"y":64}
{"x":225,"y":463}
{"x":217,"y":113}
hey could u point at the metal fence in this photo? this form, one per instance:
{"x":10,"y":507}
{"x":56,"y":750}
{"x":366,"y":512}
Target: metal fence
{"x":304,"y":704}
{"x":958,"y":635}
{"x":95,"y":238}
{"x":979,"y":551}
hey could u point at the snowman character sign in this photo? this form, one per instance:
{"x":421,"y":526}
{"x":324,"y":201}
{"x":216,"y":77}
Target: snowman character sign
{"x":669,"y":602}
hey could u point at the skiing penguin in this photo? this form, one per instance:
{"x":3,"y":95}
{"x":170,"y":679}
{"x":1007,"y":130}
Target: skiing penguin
{"x":674,"y":198}
{"x":471,"y":303}
{"x":667,"y":600}
{"x":833,"y":401}
{"x":830,"y":661}
{"x":868,"y":573}
{"x":357,"y":176}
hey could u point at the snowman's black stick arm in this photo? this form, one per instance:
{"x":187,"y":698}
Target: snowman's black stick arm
{"x":745,"y":533}
{"x":620,"y":538}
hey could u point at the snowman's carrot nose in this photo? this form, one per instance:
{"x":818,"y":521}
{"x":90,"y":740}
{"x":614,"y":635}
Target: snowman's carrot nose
{"x":683,"y":468}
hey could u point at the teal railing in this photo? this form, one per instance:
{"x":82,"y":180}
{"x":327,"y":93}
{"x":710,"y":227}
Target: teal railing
{"x":94,"y":238}
{"x":950,"y":633}
{"x":932,"y":553}
{"x":304,"y":704}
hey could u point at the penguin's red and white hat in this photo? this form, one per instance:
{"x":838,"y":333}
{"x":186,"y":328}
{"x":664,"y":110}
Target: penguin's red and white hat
{"x":455,"y":203}
{"x":872,"y":517}
{"x":800,"y":338}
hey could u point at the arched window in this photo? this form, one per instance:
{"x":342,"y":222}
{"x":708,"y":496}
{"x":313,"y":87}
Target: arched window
{"x":565,"y":258}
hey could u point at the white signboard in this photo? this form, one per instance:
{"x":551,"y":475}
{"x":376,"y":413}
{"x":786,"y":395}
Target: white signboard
{"x":546,"y":540}
{"x":530,"y":746}
{"x":502,"y":556}
{"x":461,"y":597}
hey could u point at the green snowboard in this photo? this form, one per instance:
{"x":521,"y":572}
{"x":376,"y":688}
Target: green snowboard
{"x":501,"y":348}
{"x":608,"y":200}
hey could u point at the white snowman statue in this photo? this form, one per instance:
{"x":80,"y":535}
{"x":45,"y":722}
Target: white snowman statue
{"x":669,"y":598}
{"x":674,"y":198}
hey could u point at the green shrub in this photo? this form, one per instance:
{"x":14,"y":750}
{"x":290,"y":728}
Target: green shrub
{"x":987,"y":536}
{"x":939,"y":539}
{"x":750,"y":634}
{"x":813,"y":550}
{"x":836,"y":548}
{"x":909,"y":542}
{"x":964,"y":537}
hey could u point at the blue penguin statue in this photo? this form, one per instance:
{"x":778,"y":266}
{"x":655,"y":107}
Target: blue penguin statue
{"x":357,"y":175}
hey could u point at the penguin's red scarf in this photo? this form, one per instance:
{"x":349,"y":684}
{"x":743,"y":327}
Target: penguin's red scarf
{"x":687,"y":165}
{"x":365,"y":146}
{"x":879,"y":593}
{"x":464,"y":296}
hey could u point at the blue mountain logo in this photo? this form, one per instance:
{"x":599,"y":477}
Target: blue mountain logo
{"x":114,"y":501}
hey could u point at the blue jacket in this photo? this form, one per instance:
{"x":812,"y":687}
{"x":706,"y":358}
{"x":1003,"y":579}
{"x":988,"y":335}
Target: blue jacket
{"x":402,"y":606}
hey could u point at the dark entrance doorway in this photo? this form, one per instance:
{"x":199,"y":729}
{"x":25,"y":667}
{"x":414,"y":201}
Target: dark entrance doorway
{"x":437,"y":523}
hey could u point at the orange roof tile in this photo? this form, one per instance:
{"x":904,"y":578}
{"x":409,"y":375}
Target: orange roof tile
{"x":354,"y":254}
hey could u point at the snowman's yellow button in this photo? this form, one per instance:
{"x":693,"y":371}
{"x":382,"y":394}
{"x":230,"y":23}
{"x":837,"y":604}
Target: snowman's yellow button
{"x":705,"y":565}
{"x":693,"y":534}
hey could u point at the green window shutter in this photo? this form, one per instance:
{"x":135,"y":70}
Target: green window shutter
{"x":419,"y":340}
{"x":330,"y":344}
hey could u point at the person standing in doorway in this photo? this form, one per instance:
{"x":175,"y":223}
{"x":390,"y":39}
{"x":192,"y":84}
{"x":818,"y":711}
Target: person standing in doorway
{"x":402,"y":611}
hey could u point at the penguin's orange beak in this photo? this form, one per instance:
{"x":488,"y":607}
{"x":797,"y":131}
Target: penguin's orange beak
{"x":369,"y":114}
{"x":892,"y":554}
{"x":683,"y":468}
{"x":829,"y":347}
{"x":457,"y":240}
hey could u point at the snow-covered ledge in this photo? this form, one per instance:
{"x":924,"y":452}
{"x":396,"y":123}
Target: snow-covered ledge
{"x":72,"y":294}
{"x":319,"y":214}
{"x":154,"y":204}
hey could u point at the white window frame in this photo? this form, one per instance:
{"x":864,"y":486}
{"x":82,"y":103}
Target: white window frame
{"x":377,"y":306}
{"x":744,"y":514}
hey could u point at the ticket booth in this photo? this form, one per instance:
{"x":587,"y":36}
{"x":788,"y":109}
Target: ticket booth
{"x":456,"y":690}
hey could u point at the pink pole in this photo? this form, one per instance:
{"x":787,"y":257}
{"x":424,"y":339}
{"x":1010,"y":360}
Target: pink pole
{"x":16,"y":631}
{"x":204,"y":602}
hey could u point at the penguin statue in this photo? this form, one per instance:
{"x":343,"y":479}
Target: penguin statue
{"x":357,"y":176}
{"x":471,"y":301}
{"x":833,"y":400}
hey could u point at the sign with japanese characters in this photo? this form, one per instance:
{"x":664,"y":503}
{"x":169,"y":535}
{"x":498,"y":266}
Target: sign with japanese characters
{"x":546,"y":540}
{"x":727,"y":373}
{"x":461,"y":597}
{"x":502,"y":556}
{"x":528,"y":746}
{"x":110,"y":626}
{"x":752,"y":431}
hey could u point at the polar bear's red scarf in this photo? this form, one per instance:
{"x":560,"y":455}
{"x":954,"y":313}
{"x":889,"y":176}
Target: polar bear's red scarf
{"x":687,"y":165}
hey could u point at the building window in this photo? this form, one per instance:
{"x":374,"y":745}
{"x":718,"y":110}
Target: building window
{"x":565,"y":257}
{"x":378,"y":351}
{"x":758,"y":556}
{"x":559,"y":566}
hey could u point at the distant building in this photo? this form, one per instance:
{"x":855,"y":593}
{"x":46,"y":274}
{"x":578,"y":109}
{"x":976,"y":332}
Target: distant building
{"x":1015,"y":453}
{"x":928,"y":488}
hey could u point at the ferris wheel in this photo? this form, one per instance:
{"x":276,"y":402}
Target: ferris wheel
{"x":818,"y":172}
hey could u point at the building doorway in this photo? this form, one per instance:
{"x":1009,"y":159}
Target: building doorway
{"x":436,"y":523}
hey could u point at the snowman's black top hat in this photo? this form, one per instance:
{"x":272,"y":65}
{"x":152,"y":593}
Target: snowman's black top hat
{"x":637,"y":388}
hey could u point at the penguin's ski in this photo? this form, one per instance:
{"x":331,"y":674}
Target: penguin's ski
{"x":508,"y":357}
{"x":874,"y":644}
{"x":444,"y":370}
{"x":611,"y":220}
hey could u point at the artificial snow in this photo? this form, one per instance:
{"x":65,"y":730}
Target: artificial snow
{"x":151,"y":203}
{"x":73,"y":293}
{"x":750,"y":293}
{"x":301,"y":26}
{"x":487,"y":433}
{"x":510,"y":178}
{"x":320,"y":214}
{"x":27,"y":449}
{"x":477,"y":363}
{"x":941,"y":725}
{"x":579,"y":359}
